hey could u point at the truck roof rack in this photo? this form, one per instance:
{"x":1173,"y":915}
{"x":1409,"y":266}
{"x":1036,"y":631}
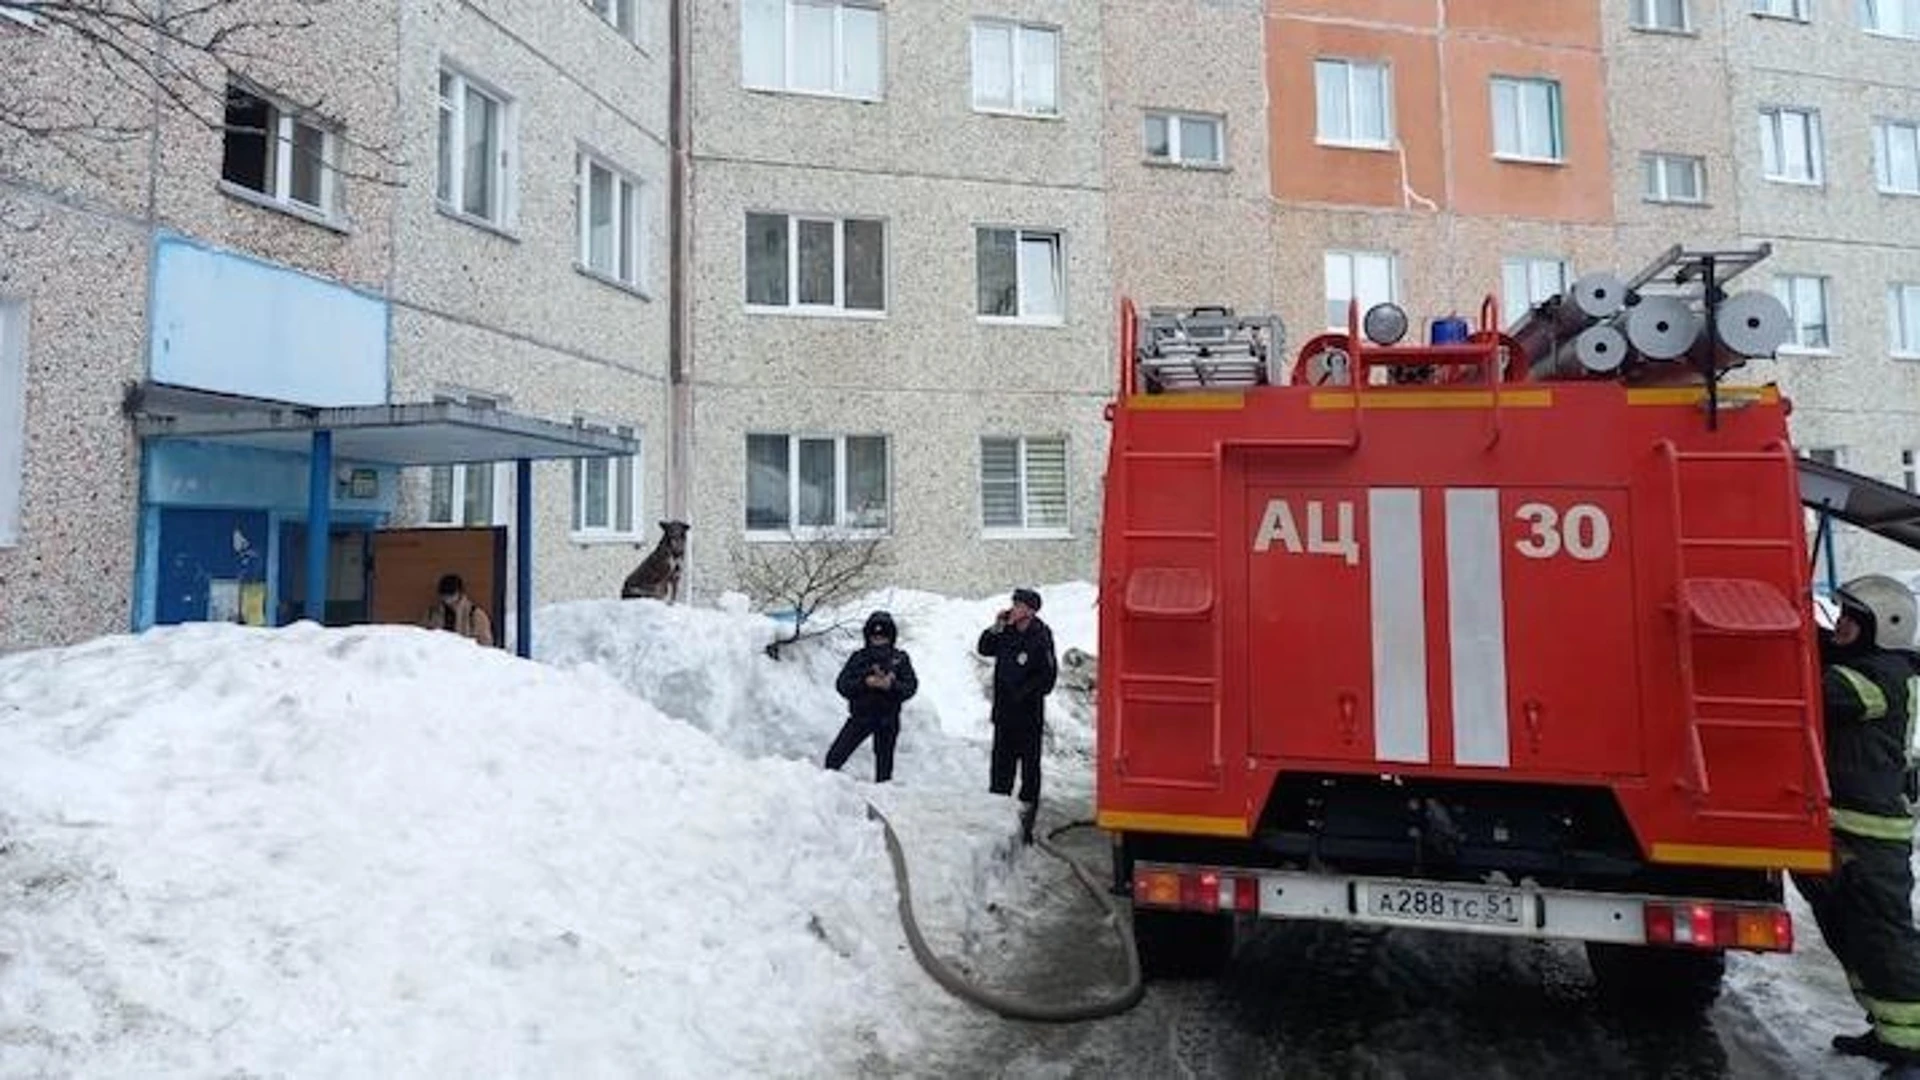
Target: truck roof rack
{"x":1207,"y":347}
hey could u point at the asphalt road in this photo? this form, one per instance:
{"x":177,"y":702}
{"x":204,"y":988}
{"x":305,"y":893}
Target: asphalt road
{"x":1320,"y":1002}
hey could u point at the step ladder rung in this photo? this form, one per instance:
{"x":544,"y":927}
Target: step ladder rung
{"x":1726,"y":702}
{"x":1733,"y":544}
{"x":1742,"y":724}
{"x":1752,"y":815}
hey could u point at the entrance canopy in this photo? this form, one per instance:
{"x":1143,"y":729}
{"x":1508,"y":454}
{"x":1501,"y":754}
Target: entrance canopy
{"x":1878,"y":507}
{"x":430,"y":433}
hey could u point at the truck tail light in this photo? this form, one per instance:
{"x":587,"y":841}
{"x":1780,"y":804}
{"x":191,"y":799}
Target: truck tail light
{"x":1705,"y":925}
{"x":1196,"y":890}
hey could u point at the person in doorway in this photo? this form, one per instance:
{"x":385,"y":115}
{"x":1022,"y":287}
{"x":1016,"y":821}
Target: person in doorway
{"x":1024,"y":671}
{"x":876,"y":680}
{"x":1864,"y":906}
{"x":456,"y":611}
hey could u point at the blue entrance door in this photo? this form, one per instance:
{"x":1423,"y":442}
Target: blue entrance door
{"x":213,"y":565}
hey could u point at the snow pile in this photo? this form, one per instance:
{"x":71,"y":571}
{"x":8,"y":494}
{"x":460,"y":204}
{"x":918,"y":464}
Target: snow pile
{"x":385,"y":851}
{"x":709,"y":667}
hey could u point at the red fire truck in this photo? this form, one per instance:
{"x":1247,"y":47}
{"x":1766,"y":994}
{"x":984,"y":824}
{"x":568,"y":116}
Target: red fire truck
{"x":1499,"y":631}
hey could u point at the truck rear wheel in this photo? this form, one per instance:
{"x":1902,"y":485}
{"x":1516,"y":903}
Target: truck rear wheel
{"x":1641,"y":979}
{"x":1178,"y":944}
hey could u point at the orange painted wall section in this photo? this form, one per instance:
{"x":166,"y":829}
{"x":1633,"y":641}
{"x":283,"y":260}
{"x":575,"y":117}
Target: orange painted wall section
{"x":1545,"y":22}
{"x":1416,"y":13}
{"x":1304,"y":170}
{"x":1579,"y":189}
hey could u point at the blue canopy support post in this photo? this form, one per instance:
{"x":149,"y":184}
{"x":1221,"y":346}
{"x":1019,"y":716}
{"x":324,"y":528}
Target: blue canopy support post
{"x":1833,"y":559}
{"x":523,"y":557}
{"x":319,"y":522}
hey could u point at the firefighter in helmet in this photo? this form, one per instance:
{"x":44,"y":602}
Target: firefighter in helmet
{"x":1863,"y":906}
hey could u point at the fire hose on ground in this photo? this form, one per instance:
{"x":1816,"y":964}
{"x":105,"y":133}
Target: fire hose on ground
{"x":1003,"y":1005}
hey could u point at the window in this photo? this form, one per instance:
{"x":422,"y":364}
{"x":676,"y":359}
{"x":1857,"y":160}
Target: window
{"x":1790,"y":145}
{"x":1896,"y":156}
{"x":1185,"y":139}
{"x":1526,"y":282}
{"x":1825,"y":455}
{"x":13,"y":415}
{"x":273,"y":152}
{"x":810,"y":484}
{"x":1893,"y":18}
{"x":1673,"y":178}
{"x":1526,"y":120}
{"x":1805,"y":298}
{"x":622,"y":15}
{"x":1661,"y":15}
{"x":1023,"y":484}
{"x":1355,"y":103}
{"x":1903,"y":320}
{"x":612,"y":221}
{"x":1020,"y":274}
{"x":1368,"y":275}
{"x":1909,"y":477}
{"x":475,"y":130}
{"x":1782,"y":9}
{"x":1016,"y":68}
{"x":473,"y":494}
{"x":606,"y":491}
{"x":816,"y":264}
{"x":832,"y":47}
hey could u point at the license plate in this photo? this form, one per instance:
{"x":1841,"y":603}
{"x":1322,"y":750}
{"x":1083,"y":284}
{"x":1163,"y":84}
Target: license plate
{"x":1444,"y":905}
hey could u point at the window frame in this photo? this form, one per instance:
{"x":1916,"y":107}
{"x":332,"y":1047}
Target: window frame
{"x":1017,"y":90}
{"x":578,"y":530}
{"x":640,"y":258}
{"x":841,"y":528}
{"x":1025,"y":530}
{"x":787,"y":37}
{"x":1792,"y":303}
{"x":1865,"y":9}
{"x":503,"y":213}
{"x":1176,"y":156}
{"x":1352,"y":255}
{"x":15,"y":327}
{"x":1389,"y":120}
{"x":1527,"y":265}
{"x":278,"y":143}
{"x":1799,"y":11}
{"x":1556,"y":112}
{"x":1021,"y":234}
{"x":1665,"y":197}
{"x":460,"y":475}
{"x":1909,"y":470}
{"x":1772,"y":131}
{"x":1903,"y":341}
{"x":607,"y":11}
{"x":1882,"y":134}
{"x":1645,"y":17}
{"x":794,"y":306}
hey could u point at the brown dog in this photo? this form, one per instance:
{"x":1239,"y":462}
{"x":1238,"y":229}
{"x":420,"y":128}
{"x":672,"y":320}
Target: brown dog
{"x":659,"y":575}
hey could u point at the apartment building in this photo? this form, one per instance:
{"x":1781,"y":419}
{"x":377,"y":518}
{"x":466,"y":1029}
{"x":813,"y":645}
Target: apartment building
{"x":901,"y":288}
{"x":472,"y":211}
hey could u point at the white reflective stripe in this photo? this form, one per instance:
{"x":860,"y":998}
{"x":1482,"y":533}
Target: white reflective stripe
{"x":1397,"y":585}
{"x":1476,"y":628}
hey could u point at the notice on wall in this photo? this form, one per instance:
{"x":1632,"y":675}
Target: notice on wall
{"x":253,"y":603}
{"x":223,"y":601}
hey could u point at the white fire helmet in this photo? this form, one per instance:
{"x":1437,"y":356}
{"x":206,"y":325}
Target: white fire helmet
{"x":1891,"y":604}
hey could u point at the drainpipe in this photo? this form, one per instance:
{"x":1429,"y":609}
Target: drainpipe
{"x":680,"y":300}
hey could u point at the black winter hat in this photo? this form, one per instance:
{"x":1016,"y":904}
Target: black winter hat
{"x":1027,"y":597}
{"x":882,"y":623}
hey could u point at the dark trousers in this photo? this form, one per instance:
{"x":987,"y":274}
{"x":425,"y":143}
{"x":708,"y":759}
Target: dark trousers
{"x":1865,"y":913}
{"x":885,"y":732}
{"x":1015,"y":745}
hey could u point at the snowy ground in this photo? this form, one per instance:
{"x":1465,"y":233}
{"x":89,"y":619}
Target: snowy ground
{"x":383,"y":851}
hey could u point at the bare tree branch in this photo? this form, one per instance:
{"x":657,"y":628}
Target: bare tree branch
{"x":183,"y":54}
{"x":808,"y":573}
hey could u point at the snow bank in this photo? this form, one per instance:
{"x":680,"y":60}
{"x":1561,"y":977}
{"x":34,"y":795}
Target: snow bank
{"x":384,"y":851}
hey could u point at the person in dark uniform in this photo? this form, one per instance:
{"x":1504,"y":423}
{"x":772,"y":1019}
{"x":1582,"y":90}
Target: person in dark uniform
{"x":876,"y":680}
{"x":1864,"y":906}
{"x":1024,"y":671}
